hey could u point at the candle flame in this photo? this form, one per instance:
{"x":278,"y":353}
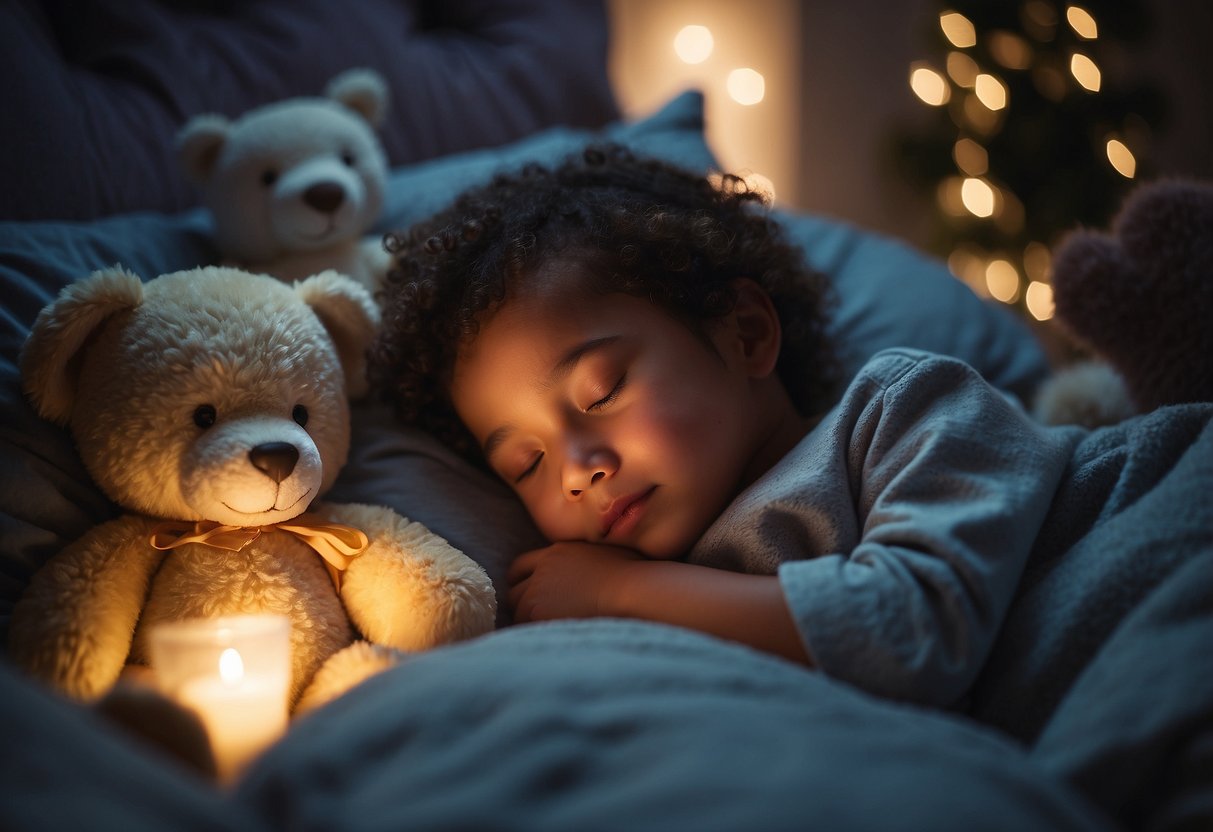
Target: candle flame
{"x":231,"y":666}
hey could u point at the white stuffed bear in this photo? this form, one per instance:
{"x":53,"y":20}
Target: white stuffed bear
{"x":295,"y":185}
{"x":211,"y":405}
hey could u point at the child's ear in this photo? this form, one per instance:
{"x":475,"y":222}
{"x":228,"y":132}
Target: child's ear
{"x":757,"y":328}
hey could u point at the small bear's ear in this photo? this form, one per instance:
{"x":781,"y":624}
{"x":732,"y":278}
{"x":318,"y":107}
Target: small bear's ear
{"x":350,"y":315}
{"x":49,"y":357}
{"x":199,"y":143}
{"x":362,"y":90}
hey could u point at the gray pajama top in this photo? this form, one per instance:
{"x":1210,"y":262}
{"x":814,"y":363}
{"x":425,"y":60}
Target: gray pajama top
{"x":900,"y":524}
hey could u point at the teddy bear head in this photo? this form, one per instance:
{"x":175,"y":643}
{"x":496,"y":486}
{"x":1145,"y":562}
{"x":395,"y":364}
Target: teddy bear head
{"x":209,"y":394}
{"x":1140,"y":296}
{"x":293,"y":176}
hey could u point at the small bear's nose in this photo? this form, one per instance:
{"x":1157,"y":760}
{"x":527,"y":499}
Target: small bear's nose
{"x":325,"y":197}
{"x":274,"y":459}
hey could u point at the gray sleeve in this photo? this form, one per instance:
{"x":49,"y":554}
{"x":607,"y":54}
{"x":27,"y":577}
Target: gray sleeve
{"x":951,"y":483}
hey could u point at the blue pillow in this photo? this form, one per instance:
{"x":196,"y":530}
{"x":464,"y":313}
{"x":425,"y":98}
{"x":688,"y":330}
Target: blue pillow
{"x":890,"y":295}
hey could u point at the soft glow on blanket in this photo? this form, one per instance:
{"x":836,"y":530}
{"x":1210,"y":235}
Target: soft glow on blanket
{"x":234,"y":673}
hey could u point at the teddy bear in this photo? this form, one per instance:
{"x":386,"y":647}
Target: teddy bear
{"x":1139,"y":298}
{"x":213,"y":407}
{"x":294,"y":186}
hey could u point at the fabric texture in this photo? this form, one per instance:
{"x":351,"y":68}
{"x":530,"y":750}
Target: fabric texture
{"x":899,"y":526}
{"x":609,"y":725}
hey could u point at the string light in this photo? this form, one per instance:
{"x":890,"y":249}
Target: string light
{"x":958,"y":29}
{"x":1082,"y":22}
{"x":1039,"y":300}
{"x":1002,"y":279}
{"x":929,"y":85}
{"x":1085,"y":71}
{"x":746,"y":86}
{"x":1010,"y":50}
{"x":978,"y":197}
{"x":1052,"y":46}
{"x":694,"y":44}
{"x":1037,"y":261}
{"x":990,"y":91}
{"x":1122,"y":158}
{"x":970,"y":157}
{"x":962,"y":69}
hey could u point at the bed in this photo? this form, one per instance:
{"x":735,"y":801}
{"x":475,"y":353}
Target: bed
{"x":1095,"y":711}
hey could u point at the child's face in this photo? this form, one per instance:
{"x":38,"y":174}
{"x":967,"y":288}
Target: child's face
{"x":613,"y":421}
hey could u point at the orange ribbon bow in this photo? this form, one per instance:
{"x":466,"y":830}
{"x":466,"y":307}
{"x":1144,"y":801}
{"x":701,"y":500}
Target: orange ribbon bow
{"x":336,"y":544}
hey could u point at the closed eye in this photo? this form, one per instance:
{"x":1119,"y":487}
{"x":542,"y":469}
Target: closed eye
{"x":609,"y":397}
{"x":530,"y":469}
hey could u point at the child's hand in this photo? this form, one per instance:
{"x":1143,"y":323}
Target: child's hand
{"x":567,"y":580}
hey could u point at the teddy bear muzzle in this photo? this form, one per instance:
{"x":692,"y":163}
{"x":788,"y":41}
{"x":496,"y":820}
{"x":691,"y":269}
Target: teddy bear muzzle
{"x":252,"y":472}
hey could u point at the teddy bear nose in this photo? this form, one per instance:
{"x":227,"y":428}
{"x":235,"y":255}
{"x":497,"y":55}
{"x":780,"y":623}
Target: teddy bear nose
{"x":274,"y":459}
{"x":325,"y":197}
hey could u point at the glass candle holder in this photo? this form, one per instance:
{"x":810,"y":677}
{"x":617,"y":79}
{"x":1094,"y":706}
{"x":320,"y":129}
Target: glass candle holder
{"x":234,"y":673}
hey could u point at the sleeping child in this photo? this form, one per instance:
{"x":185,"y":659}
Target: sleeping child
{"x":641,"y":355}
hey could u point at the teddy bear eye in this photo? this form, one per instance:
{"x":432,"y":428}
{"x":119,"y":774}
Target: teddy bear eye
{"x":299,"y":414}
{"x":205,"y":416}
{"x":269,"y":177}
{"x":348,"y":159}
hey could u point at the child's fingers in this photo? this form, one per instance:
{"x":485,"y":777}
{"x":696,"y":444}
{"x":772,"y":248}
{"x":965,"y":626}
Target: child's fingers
{"x":522,"y":566}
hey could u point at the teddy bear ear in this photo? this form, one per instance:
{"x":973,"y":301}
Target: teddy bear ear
{"x":63,"y":327}
{"x":362,"y":90}
{"x":199,"y":143}
{"x":350,"y":315}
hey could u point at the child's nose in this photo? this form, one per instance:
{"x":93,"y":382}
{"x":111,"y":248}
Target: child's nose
{"x":584,"y":471}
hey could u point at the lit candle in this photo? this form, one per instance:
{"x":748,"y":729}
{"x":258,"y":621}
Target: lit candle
{"x":234,"y":673}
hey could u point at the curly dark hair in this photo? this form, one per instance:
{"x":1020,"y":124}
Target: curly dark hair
{"x":639,"y":226}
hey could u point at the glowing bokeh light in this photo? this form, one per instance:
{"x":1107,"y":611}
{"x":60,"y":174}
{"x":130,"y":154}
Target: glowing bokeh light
{"x":1122,"y":158}
{"x":1002,"y":280}
{"x":1082,"y":22}
{"x":990,"y":91}
{"x":1010,"y":50}
{"x":958,"y":29}
{"x":962,"y":69}
{"x":1039,"y":300}
{"x":693,"y":44}
{"x":929,"y":85}
{"x":746,"y":86}
{"x":978,"y":197}
{"x":970,"y":157}
{"x":1037,"y":261}
{"x":1085,"y":71}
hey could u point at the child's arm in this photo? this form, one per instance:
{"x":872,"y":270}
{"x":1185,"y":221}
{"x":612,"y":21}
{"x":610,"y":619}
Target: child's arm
{"x":581,"y":580}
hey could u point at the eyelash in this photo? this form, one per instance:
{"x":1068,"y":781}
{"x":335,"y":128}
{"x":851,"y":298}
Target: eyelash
{"x":609,"y":397}
{"x":598,"y":405}
{"x":530,"y":470}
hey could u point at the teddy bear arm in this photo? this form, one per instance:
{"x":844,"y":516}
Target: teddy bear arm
{"x":410,"y":589}
{"x":72,"y":627}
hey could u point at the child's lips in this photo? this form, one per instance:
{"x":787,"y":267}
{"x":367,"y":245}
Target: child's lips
{"x":624,"y":512}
